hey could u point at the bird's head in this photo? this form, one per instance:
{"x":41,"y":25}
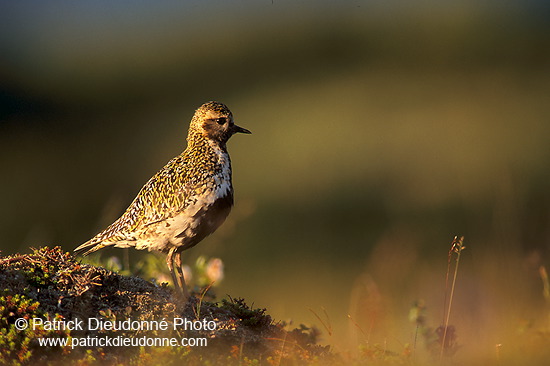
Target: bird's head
{"x":214,"y":121}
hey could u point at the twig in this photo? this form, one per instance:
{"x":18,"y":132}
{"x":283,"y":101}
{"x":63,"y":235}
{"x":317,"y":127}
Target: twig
{"x":457,"y":246}
{"x":326,"y":324}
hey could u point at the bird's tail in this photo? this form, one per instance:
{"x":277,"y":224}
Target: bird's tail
{"x":90,"y":247}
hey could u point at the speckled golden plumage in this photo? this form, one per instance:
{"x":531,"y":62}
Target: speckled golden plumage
{"x":185,"y":201}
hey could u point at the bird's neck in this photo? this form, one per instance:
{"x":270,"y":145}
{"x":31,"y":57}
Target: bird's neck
{"x":196,"y":139}
{"x":198,"y":144}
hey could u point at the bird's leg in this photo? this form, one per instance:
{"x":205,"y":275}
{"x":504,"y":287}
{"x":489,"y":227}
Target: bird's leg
{"x":179,"y":268}
{"x":170,"y":264}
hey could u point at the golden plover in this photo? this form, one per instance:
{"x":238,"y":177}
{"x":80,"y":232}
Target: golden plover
{"x":185,"y":201}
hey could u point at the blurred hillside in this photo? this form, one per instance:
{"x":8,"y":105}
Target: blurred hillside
{"x":380,"y":131}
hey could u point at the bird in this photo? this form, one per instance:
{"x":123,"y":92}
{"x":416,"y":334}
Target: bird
{"x":185,"y":201}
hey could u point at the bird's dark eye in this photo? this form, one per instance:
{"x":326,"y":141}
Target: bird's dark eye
{"x":221,"y":120}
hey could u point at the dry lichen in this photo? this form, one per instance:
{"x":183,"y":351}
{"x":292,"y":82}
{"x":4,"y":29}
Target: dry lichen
{"x":52,"y":284}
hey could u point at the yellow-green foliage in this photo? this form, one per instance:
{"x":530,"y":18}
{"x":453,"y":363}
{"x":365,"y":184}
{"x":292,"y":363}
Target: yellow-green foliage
{"x":20,"y":347}
{"x":54,"y":280}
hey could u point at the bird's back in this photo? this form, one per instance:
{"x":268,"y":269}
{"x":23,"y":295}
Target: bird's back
{"x":180,"y":205}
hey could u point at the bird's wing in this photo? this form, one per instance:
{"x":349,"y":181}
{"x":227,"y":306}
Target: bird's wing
{"x":161,"y":198}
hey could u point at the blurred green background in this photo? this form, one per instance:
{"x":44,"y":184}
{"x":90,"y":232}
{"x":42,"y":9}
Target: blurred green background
{"x":380,"y":130}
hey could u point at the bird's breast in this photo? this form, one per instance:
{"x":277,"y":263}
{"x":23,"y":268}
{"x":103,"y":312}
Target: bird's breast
{"x":205,"y":206}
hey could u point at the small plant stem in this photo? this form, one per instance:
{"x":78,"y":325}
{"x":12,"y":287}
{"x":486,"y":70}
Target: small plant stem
{"x":447,"y":281}
{"x":201,"y":298}
{"x":327,"y":325}
{"x":358,"y":327}
{"x":456,"y":247}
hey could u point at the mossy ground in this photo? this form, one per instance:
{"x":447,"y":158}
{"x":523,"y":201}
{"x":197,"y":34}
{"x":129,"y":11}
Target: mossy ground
{"x":53,"y":285}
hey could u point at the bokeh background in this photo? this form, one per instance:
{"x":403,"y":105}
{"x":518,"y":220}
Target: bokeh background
{"x":380,"y":131}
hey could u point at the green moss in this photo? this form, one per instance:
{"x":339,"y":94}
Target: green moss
{"x":21,"y":346}
{"x":55,"y":282}
{"x":249,"y":317}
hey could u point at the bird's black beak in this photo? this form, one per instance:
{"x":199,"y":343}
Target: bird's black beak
{"x":237,"y":129}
